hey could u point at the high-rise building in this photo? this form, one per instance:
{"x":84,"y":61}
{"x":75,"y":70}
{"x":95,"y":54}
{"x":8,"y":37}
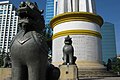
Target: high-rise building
{"x":48,"y":16}
{"x":49,"y":11}
{"x":8,"y":25}
{"x":108,"y":41}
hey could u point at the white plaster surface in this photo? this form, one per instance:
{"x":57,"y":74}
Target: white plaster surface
{"x":76,"y":25}
{"x":86,"y":48}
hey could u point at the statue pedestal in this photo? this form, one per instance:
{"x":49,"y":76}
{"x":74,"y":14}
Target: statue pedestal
{"x":5,"y":73}
{"x":68,"y":72}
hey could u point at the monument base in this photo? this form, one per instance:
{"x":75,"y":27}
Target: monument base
{"x":5,"y":73}
{"x":95,"y":73}
{"x":68,"y":72}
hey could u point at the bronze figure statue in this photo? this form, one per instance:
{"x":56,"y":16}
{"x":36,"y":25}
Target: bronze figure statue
{"x":29,"y":50}
{"x":68,"y":52}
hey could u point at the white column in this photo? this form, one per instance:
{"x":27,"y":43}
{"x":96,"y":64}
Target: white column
{"x":66,"y":5}
{"x":58,"y":10}
{"x":69,"y":5}
{"x":75,"y":5}
{"x":60,"y":6}
{"x":83,"y":5}
{"x":94,"y":6}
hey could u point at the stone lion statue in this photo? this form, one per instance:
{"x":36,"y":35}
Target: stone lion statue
{"x":28,"y":48}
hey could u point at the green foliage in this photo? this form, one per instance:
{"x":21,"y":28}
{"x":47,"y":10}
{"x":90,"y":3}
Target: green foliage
{"x":48,"y":32}
{"x":116,"y":65}
{"x":48,"y":36}
{"x":1,"y":60}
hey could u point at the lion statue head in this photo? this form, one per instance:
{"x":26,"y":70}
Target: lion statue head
{"x":30,"y":17}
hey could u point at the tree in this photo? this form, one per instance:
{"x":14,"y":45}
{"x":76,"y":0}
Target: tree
{"x":116,"y":65}
{"x":48,"y":31}
{"x":1,"y":59}
{"x":48,"y":35}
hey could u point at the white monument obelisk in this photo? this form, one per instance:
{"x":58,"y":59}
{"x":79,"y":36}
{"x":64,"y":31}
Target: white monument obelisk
{"x":78,"y":19}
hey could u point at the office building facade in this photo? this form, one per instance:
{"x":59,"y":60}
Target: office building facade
{"x":8,"y":25}
{"x":108,"y":41}
{"x":49,"y":11}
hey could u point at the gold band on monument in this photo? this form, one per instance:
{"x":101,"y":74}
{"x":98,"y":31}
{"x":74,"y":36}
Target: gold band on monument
{"x":76,"y":16}
{"x":77,"y":32}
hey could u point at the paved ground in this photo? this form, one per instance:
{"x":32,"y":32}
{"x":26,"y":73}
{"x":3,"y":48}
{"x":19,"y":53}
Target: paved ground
{"x":104,"y":78}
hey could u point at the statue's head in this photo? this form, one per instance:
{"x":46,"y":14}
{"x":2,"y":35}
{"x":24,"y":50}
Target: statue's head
{"x":30,"y":16}
{"x":68,"y":40}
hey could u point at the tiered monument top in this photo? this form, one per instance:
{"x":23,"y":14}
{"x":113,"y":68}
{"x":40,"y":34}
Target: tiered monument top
{"x":62,"y":6}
